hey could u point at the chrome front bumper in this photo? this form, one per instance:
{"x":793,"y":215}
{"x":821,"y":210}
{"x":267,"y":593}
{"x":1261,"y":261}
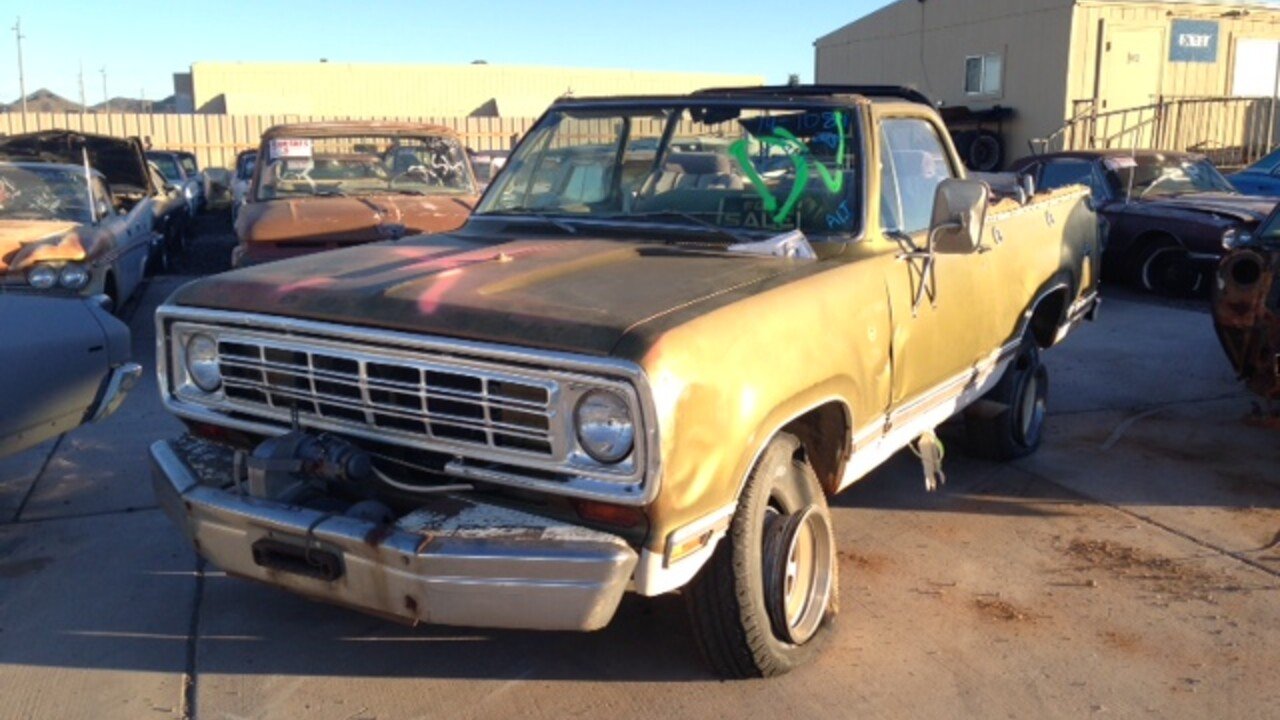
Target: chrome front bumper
{"x":117,"y":386}
{"x":456,"y":561}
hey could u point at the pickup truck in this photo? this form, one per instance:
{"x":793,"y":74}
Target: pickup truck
{"x":673,"y":327}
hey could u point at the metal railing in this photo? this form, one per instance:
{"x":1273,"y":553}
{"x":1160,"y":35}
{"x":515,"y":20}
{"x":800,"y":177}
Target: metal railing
{"x":1231,"y":131}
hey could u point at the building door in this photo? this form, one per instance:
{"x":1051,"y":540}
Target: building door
{"x":1131,"y":63}
{"x":1255,"y":74}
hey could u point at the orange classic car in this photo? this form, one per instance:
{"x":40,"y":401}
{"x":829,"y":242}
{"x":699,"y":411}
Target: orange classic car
{"x":320,"y":186}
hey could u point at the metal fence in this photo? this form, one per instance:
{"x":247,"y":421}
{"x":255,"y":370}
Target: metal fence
{"x":215,"y":139}
{"x":1232,"y":131}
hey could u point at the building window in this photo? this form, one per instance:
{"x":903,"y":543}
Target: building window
{"x":982,"y":74}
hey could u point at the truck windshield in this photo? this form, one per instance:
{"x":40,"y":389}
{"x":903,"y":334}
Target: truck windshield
{"x":730,"y":166}
{"x":363,"y":165}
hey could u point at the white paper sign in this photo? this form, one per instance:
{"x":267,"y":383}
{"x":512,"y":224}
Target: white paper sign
{"x":290,"y":148}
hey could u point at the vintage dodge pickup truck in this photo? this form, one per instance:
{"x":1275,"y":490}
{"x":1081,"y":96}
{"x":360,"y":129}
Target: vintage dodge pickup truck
{"x":673,"y":327}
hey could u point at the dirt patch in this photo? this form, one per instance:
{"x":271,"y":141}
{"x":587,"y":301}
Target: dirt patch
{"x":1120,"y":640}
{"x":862,"y":563}
{"x":1159,"y":574}
{"x":998,"y":609}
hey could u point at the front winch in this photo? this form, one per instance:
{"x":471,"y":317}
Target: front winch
{"x":280,"y":467}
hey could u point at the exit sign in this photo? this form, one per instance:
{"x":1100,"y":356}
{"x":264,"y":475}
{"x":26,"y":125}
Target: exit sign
{"x":1194,"y":41}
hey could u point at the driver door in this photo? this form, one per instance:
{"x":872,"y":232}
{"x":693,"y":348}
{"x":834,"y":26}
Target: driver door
{"x":941,"y":324}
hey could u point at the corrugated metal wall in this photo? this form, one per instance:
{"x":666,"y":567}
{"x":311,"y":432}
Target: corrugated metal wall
{"x":215,"y":139}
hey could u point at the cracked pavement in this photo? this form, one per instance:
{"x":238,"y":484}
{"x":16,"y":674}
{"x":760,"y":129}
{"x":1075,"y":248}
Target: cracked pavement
{"x":1129,"y":569}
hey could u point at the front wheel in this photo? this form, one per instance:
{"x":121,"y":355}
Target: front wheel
{"x":1008,"y":423}
{"x":1164,"y":267}
{"x":766,"y":600}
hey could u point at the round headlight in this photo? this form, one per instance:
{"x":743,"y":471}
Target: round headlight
{"x":189,"y":191}
{"x":202,"y":362}
{"x":605,"y":428}
{"x":42,"y":277}
{"x":1230,"y":238}
{"x":73,"y":277}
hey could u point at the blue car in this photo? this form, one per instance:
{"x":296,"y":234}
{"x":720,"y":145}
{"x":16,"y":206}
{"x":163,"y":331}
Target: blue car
{"x":1260,"y":178}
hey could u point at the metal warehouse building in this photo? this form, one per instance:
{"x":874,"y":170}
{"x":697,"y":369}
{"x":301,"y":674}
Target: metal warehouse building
{"x":1051,"y":61}
{"x":376,"y":90}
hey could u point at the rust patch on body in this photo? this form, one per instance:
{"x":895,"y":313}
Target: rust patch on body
{"x":1246,"y":314}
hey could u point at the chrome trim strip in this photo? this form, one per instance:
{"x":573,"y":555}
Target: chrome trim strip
{"x":643,"y":484}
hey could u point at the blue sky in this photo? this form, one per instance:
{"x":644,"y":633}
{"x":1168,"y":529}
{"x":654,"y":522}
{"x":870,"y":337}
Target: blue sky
{"x":142,"y":43}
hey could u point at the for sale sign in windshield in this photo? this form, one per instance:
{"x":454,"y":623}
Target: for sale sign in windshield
{"x":1194,"y":41}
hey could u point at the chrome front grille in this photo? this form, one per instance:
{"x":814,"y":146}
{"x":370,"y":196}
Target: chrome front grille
{"x":438,"y":401}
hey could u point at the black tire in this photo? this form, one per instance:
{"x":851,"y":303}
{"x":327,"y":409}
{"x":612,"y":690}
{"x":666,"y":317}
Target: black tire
{"x":1162,"y":266}
{"x":985,"y":153}
{"x":735,"y":627}
{"x":1008,"y":423}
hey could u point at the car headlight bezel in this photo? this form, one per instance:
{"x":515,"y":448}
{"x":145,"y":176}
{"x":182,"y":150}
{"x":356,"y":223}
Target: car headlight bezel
{"x":200,"y":360}
{"x":42,"y":277}
{"x":73,"y":276}
{"x":604,"y":427}
{"x":1234,"y":237}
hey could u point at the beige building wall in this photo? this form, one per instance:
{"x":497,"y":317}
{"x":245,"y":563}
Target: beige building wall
{"x":370,"y":90}
{"x":1057,"y":54}
{"x":1096,"y":23}
{"x":925,"y":45}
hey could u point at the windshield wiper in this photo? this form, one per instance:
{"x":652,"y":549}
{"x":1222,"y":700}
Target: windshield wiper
{"x":329,"y":192}
{"x":668,"y":214}
{"x":544,"y":217}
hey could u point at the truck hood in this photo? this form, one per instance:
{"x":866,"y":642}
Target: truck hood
{"x":577,"y":295}
{"x":351,"y":219}
{"x":1248,"y":209}
{"x":23,"y":242}
{"x":120,"y":160}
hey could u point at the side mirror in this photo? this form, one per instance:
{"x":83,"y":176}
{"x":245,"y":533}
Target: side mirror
{"x":959,"y":214}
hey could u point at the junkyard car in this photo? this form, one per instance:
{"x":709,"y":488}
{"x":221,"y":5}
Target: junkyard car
{"x":1246,"y":310}
{"x":245,"y":162}
{"x":320,"y":186}
{"x":76,"y":214}
{"x":66,"y":362}
{"x":636,"y":368}
{"x":1168,"y":213}
{"x":1260,"y":178}
{"x":172,"y":222}
{"x":180,"y":173}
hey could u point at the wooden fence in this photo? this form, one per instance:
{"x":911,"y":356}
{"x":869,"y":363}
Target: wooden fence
{"x":215,"y":139}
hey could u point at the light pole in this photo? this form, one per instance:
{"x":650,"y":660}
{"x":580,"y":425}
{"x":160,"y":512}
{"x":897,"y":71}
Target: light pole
{"x":22,"y":78}
{"x":106,"y":99}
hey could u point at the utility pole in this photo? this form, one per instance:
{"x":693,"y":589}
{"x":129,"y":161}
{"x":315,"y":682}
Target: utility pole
{"x":83,"y":107}
{"x":22,"y":78}
{"x":106,"y":99}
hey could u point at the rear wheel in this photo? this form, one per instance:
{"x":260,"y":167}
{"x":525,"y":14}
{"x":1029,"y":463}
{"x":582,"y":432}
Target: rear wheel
{"x":1008,"y":423}
{"x":765,"y":602}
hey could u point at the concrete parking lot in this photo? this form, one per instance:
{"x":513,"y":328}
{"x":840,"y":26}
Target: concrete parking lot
{"x":1130,"y":569}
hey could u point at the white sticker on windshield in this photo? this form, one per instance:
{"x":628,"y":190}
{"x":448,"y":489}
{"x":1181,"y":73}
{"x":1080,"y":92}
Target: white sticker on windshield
{"x":290,"y":148}
{"x":1121,"y":162}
